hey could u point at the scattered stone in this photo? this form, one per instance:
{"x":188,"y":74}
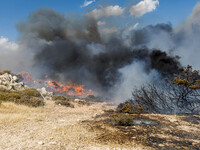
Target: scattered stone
{"x":161,"y":145}
{"x":52,"y":143}
{"x":15,"y":79}
{"x":102,"y":112}
{"x":95,"y":115}
{"x":41,"y":143}
{"x":81,"y":101}
{"x":77,"y":100}
{"x":61,"y":120}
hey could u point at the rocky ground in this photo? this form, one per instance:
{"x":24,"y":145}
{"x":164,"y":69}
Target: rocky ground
{"x":89,"y":127}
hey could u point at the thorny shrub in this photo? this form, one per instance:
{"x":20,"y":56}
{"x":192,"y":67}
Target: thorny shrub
{"x":122,"y":119}
{"x":127,"y":107}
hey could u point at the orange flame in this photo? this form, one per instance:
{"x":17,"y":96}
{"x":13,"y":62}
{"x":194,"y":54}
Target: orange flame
{"x":71,"y":88}
{"x":26,"y":77}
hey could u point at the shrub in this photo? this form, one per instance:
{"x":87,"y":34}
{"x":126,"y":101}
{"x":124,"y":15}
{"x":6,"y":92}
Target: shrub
{"x":151,"y":98}
{"x":122,"y":119}
{"x":5,"y":71}
{"x":128,"y":108}
{"x":9,"y":96}
{"x":31,"y":92}
{"x":36,"y":102}
{"x":58,"y":97}
{"x":29,"y":97}
{"x":30,"y":101}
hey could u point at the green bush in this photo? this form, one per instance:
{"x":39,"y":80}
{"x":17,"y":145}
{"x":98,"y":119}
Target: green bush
{"x":122,"y":119}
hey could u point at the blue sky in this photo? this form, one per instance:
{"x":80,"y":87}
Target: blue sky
{"x":14,"y":11}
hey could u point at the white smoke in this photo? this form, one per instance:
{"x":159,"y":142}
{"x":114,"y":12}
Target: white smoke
{"x":133,"y":76}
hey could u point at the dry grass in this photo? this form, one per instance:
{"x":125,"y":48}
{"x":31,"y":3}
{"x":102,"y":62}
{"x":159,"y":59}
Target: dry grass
{"x":12,"y":113}
{"x":86,"y":127}
{"x":170,"y":132}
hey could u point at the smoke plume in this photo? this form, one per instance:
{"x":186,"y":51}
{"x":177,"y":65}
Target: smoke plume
{"x":76,"y":50}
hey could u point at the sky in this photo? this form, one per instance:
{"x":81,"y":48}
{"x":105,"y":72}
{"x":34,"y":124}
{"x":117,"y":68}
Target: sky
{"x":165,"y":11}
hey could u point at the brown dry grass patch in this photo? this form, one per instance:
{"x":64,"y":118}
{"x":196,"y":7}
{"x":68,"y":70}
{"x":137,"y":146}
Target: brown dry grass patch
{"x":13,"y":113}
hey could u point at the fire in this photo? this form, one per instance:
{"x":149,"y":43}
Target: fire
{"x":69,"y":88}
{"x":26,"y":77}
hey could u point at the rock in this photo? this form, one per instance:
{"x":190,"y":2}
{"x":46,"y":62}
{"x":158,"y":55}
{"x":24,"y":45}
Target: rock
{"x":41,"y":143}
{"x":9,"y":87}
{"x":3,"y":87}
{"x":102,"y":112}
{"x":46,"y":95}
{"x":79,"y":100}
{"x":18,"y":86}
{"x":95,"y":115}
{"x":10,"y":82}
{"x":52,"y":143}
{"x":15,"y":79}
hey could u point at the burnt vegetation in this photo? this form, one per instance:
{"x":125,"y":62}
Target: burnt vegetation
{"x":177,"y":94}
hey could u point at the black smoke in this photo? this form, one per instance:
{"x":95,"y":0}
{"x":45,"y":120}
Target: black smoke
{"x":69,"y":49}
